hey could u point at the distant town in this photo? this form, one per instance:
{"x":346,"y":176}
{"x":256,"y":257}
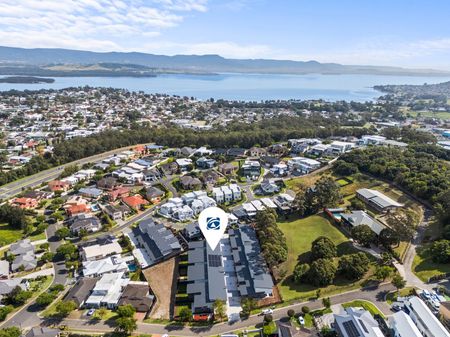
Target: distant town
{"x":338,"y":215}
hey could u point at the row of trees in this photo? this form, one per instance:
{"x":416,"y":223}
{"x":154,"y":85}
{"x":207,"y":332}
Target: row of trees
{"x":271,"y":238}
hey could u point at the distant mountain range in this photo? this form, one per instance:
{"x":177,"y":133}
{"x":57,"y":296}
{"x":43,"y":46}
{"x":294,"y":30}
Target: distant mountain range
{"x":61,"y":62}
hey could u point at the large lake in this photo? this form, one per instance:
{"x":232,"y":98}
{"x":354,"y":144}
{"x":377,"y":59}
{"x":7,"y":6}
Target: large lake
{"x":247,"y":87}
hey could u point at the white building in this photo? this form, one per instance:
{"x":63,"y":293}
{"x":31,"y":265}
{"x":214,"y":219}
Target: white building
{"x":107,"y":291}
{"x":403,"y":326}
{"x":304,"y":165}
{"x":97,"y":252}
{"x":426,"y":322}
{"x":111,"y":264}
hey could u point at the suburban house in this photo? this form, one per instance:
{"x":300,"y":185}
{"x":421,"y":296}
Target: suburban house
{"x":286,"y":329}
{"x":151,"y":175}
{"x":107,"y":291}
{"x":153,"y":243}
{"x":425,"y":320}
{"x":227,"y":193}
{"x":403,"y":326}
{"x":184,"y":164}
{"x":210,"y":177}
{"x":109,"y":264}
{"x":257,"y":152}
{"x":205,"y":163}
{"x":236,"y":152}
{"x":77,"y":209}
{"x":118,"y":193}
{"x":303,"y":165}
{"x":116,"y":212}
{"x":357,"y":322}
{"x":251,"y":168}
{"x":377,"y":200}
{"x":58,"y":186}
{"x":192,"y":231}
{"x":154,"y":195}
{"x":169,"y":168}
{"x":183,"y":213}
{"x":4,"y":269}
{"x":227,"y":169}
{"x":358,"y":218}
{"x":100,"y":250}
{"x":6,"y":286}
{"x":42,"y":332}
{"x":81,"y":290}
{"x":135,"y":202}
{"x":137,"y":294}
{"x":284,"y":202}
{"x":24,"y":203}
{"x":338,"y":147}
{"x":90,"y":192}
{"x":188,"y":182}
{"x":269,"y":161}
{"x":87,"y":222}
{"x":25,"y":258}
{"x":269,"y":187}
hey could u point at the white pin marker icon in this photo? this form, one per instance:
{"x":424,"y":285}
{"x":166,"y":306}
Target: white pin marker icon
{"x":213,"y":222}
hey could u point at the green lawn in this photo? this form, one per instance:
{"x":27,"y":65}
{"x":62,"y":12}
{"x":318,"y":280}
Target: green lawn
{"x":392,"y":297}
{"x":431,"y":114}
{"x":369,"y":306}
{"x":424,"y":267}
{"x":300,"y":233}
{"x":8,"y":234}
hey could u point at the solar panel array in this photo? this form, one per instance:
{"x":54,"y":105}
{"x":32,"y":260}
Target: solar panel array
{"x":214,"y":260}
{"x":351,"y":329}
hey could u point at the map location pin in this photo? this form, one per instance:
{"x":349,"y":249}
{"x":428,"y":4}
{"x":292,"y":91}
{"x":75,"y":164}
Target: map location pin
{"x":213,"y":222}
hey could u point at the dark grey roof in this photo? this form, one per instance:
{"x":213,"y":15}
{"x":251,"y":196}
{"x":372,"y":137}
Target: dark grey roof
{"x":42,"y":332}
{"x":154,"y":192}
{"x":81,"y":291}
{"x":358,"y":218}
{"x":158,"y":241}
{"x":253,"y":274}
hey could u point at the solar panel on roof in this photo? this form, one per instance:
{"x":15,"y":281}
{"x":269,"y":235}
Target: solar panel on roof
{"x":351,"y":330}
{"x":214,"y":260}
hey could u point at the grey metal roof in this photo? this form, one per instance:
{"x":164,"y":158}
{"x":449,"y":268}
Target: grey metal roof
{"x":358,"y":218}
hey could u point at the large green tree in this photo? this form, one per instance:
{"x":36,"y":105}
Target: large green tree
{"x":322,"y":272}
{"x":323,"y":247}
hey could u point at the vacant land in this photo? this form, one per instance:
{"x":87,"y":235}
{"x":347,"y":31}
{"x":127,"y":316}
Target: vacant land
{"x":300,"y":233}
{"x":8,"y":234}
{"x":424,"y":267}
{"x":430,"y":114}
{"x":163,"y":291}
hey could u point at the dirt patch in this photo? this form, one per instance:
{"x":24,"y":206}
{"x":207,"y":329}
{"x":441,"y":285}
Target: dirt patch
{"x":161,"y":281}
{"x":276,"y":298}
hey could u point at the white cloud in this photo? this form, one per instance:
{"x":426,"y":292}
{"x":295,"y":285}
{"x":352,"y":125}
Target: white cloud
{"x":99,"y":25}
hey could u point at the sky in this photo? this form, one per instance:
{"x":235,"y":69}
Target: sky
{"x":408,"y":33}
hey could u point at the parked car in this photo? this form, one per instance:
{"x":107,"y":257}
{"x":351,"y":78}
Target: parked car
{"x":301,"y":320}
{"x":267,"y":312}
{"x":90,"y":312}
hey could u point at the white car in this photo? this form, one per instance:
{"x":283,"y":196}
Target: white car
{"x":301,"y":320}
{"x":90,"y":312}
{"x":267,"y":312}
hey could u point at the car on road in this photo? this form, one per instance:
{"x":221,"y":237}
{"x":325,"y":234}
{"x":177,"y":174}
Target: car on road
{"x":301,"y":320}
{"x":90,"y":312}
{"x":267,"y":312}
{"x":396,"y":307}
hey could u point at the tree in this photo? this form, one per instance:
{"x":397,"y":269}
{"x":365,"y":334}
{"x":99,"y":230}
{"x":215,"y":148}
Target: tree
{"x":357,"y":204}
{"x":185,"y":314}
{"x":248,"y":304}
{"x":45,"y":299}
{"x":126,"y":310}
{"x":363,"y":235}
{"x":219,"y":308}
{"x":305,"y":309}
{"x":126,"y":325}
{"x":403,"y":223}
{"x":47,"y":257}
{"x":323,"y":248}
{"x":326,"y":302}
{"x":68,"y":250}
{"x":322,"y":272}
{"x":343,"y":168}
{"x":291,"y":313}
{"x":101,"y":313}
{"x":4,"y":311}
{"x":354,"y":266}
{"x":388,"y":238}
{"x":62,"y":233}
{"x":440,"y":251}
{"x":300,"y":272}
{"x":17,"y":297}
{"x":64,"y":308}
{"x":10,"y":332}
{"x":325,"y":193}
{"x":398,"y":282}
{"x":383,"y":272}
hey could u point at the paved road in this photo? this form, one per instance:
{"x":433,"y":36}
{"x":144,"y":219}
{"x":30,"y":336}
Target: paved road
{"x":28,"y":316}
{"x":375,"y":295}
{"x":14,"y":188}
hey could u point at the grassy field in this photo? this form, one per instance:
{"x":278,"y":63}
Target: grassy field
{"x":300,"y":233}
{"x":392,"y":297}
{"x":369,"y":306}
{"x":8,"y":234}
{"x":431,"y":114}
{"x":424,"y":267}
